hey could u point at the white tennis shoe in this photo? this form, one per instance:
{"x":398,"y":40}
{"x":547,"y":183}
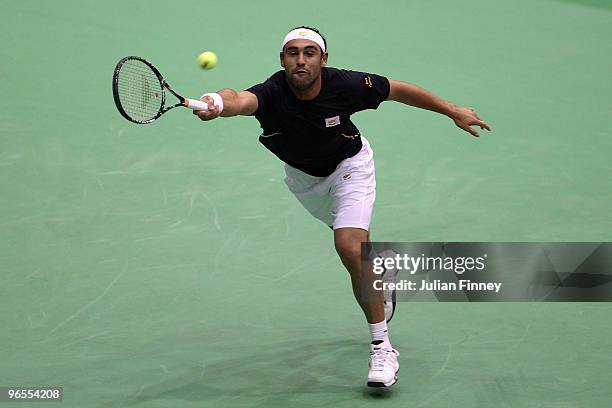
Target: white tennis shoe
{"x":383,"y":366}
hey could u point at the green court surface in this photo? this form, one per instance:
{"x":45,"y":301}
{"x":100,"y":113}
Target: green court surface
{"x":167,"y":266}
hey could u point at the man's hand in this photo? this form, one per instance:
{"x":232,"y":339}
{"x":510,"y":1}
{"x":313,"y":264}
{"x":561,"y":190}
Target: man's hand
{"x":466,"y":117}
{"x":211,"y":113}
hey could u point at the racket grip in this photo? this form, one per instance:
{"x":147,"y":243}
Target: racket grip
{"x":195,"y":104}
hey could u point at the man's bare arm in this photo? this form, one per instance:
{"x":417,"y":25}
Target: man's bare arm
{"x":413,"y":95}
{"x":234,"y":103}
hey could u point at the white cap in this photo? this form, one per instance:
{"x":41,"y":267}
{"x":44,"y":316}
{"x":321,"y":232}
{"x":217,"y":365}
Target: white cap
{"x":304,"y":34}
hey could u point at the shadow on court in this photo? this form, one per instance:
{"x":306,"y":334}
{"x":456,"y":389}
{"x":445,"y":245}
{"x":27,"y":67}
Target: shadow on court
{"x":313,"y":374}
{"x":377,"y":393}
{"x":602,"y":4}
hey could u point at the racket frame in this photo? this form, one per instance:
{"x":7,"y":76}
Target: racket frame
{"x":189,"y":103}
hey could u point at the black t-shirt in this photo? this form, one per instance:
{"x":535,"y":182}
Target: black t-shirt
{"x":316,"y":135}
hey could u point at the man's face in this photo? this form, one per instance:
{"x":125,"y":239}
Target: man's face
{"x":302,"y":61}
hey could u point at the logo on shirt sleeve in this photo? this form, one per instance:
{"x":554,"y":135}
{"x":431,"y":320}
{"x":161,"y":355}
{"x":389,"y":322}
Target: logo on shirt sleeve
{"x":368,"y":81}
{"x":335,"y":121}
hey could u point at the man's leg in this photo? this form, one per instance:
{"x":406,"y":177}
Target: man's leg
{"x":383,"y":357}
{"x":344,"y":200}
{"x":348,"y":245}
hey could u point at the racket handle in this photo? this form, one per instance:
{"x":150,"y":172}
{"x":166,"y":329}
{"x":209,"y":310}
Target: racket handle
{"x":195,"y":104}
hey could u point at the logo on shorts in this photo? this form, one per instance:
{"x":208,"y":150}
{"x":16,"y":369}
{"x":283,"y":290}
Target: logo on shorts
{"x":346,"y":176}
{"x":335,"y":121}
{"x":368,"y":81}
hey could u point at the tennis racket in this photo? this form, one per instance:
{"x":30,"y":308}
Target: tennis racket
{"x":140,"y":91}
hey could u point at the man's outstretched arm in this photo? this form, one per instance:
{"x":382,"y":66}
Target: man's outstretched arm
{"x":234,"y":103}
{"x":412,"y":95}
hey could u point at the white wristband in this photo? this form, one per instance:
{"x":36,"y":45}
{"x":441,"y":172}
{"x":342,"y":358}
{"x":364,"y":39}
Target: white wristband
{"x":217,"y":99}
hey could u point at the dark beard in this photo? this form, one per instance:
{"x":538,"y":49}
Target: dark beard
{"x":298,"y":84}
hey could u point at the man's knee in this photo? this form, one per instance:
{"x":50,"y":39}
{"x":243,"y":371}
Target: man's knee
{"x":349,"y":250}
{"x":348,"y":243}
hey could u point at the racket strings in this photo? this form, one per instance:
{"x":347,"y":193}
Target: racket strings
{"x":140,"y":91}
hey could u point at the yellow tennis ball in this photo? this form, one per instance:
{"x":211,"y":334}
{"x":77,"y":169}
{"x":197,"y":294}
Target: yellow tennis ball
{"x":207,"y":60}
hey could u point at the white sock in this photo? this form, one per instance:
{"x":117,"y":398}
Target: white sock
{"x":379,"y":334}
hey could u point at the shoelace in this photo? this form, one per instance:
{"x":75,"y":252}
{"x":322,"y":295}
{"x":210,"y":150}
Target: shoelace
{"x":379,"y":357}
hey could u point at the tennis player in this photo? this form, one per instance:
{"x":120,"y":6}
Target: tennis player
{"x":304,"y":111}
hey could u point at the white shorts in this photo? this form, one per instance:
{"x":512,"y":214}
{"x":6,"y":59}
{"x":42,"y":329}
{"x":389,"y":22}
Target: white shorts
{"x":343,"y":199}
